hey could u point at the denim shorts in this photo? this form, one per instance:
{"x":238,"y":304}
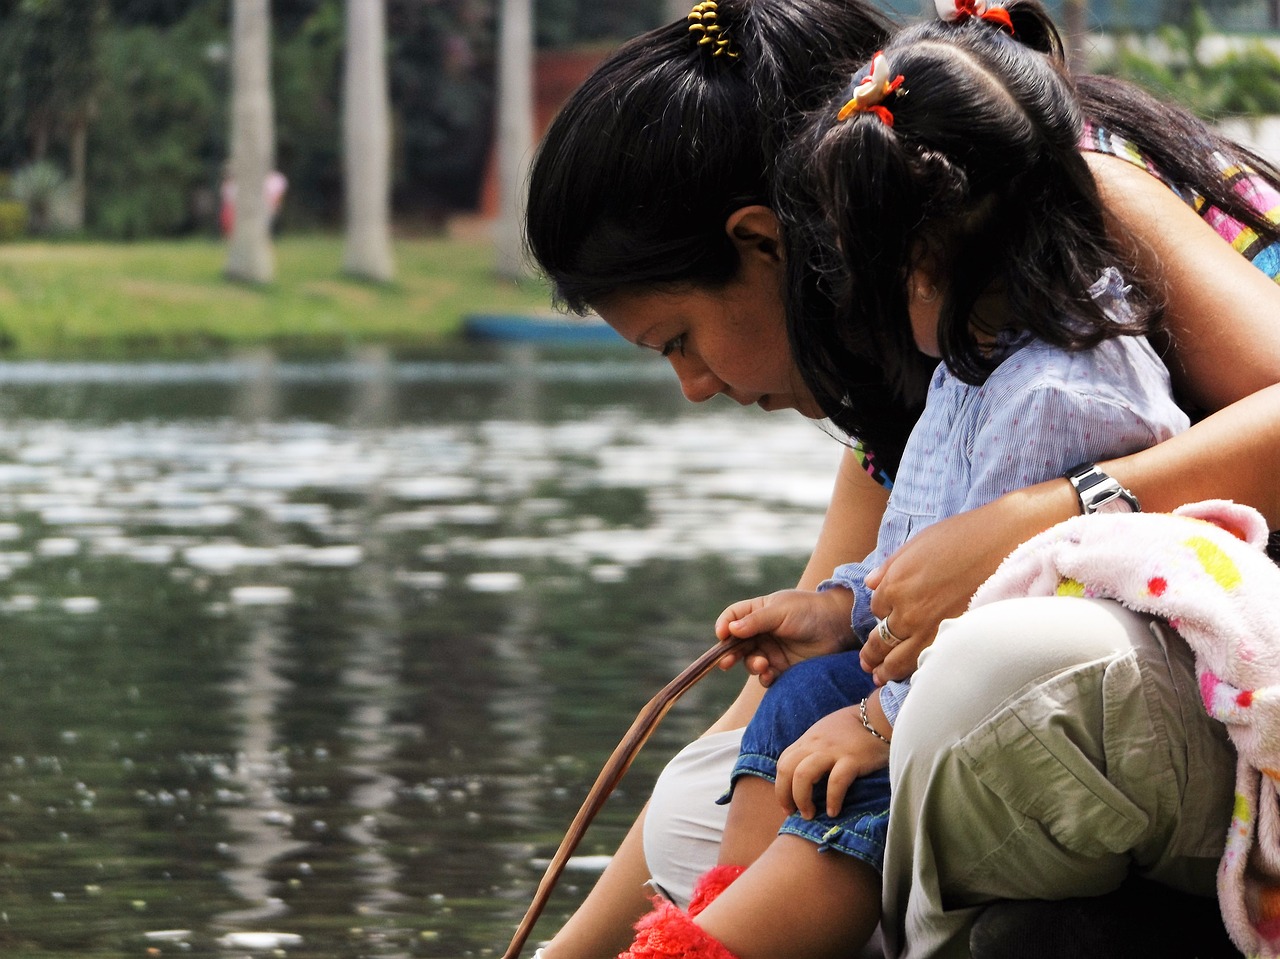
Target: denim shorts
{"x":800,"y":697}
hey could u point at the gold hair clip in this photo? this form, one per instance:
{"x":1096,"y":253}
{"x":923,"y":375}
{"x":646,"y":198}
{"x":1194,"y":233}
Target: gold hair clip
{"x":871,"y":91}
{"x":702,"y":20}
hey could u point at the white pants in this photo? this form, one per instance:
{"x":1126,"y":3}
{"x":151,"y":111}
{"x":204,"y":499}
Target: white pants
{"x":683,"y":825}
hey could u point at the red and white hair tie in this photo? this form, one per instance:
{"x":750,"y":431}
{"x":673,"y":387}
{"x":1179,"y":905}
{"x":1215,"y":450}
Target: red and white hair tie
{"x":957,"y":11}
{"x":870,"y":93}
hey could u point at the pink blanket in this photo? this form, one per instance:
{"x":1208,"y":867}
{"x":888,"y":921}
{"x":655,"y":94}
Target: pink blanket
{"x":1201,"y":569}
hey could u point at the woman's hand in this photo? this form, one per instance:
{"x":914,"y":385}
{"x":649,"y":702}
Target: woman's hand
{"x":931,"y":577}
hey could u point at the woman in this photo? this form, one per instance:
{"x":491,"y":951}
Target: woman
{"x":651,"y":201}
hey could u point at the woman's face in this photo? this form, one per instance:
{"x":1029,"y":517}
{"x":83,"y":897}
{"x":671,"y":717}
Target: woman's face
{"x":731,"y":340}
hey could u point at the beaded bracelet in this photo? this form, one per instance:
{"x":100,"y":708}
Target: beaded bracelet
{"x":866,"y":723}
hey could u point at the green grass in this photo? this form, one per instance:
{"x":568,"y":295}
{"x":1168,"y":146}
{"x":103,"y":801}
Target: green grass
{"x":169,"y":299}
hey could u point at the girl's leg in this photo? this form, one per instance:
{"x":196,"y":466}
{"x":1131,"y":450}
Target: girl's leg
{"x":1048,"y":748}
{"x":813,"y":891}
{"x":797,"y":901}
{"x":755,"y":816}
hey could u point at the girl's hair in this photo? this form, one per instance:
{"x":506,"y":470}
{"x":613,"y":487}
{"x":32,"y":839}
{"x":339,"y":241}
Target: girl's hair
{"x":637,"y":174}
{"x":979,"y":179}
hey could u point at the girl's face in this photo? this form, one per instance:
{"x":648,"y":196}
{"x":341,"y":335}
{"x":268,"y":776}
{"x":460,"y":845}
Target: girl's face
{"x":924,"y":307}
{"x":731,"y":340}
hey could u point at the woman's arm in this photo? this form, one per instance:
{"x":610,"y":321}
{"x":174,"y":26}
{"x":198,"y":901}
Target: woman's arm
{"x":601,"y":926}
{"x":1223,"y":320}
{"x":1232,"y":454}
{"x":1229,"y":455}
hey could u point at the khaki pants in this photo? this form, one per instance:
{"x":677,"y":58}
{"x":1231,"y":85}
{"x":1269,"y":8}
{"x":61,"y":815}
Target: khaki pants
{"x":1048,"y":747}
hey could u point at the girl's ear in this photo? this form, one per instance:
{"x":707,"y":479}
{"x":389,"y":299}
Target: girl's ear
{"x":755,"y":230}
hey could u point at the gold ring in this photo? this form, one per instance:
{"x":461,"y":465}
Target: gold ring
{"x":886,"y":634}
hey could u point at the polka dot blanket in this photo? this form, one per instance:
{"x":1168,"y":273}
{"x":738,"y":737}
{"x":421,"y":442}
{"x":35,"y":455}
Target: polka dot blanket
{"x":1203,"y":570}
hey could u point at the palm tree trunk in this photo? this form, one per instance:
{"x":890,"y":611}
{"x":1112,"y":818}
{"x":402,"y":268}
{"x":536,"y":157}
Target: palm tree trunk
{"x":515,"y":132}
{"x":250,"y":257}
{"x":1075,"y":28}
{"x":366,"y":140}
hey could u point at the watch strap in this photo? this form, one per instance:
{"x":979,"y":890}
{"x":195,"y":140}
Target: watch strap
{"x":1099,"y":492}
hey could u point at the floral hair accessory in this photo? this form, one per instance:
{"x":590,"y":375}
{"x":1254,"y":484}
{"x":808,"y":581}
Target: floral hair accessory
{"x":957,"y":11}
{"x":702,"y":20}
{"x":869,"y":94}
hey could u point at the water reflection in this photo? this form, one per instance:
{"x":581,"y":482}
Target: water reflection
{"x":333,"y":653}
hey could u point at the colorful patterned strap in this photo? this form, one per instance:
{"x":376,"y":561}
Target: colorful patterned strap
{"x":867,"y":460}
{"x":1256,"y":191}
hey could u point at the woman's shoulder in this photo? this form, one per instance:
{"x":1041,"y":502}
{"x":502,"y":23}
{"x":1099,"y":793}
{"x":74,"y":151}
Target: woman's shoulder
{"x":1097,"y":140}
{"x":1142,"y":200}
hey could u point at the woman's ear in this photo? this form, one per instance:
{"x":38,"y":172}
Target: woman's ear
{"x":755,"y":230}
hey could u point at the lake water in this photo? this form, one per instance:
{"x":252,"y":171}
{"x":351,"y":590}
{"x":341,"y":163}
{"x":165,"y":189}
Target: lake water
{"x":321,"y":660}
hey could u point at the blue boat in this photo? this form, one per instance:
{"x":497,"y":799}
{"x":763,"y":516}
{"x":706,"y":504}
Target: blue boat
{"x":549,"y":329}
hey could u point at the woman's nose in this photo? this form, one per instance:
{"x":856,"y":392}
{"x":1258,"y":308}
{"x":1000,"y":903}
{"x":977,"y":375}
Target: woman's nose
{"x":697,"y":382}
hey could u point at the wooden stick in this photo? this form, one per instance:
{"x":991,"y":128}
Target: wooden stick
{"x":614,"y":769}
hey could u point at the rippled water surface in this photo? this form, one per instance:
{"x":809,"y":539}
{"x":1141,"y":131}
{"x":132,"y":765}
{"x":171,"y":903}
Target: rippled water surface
{"x":321,"y":660}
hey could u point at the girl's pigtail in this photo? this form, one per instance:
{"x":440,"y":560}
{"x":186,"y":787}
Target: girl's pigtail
{"x":1033,"y":28}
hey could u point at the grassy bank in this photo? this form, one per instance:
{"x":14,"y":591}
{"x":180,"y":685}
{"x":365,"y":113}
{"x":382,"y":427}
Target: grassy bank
{"x":168,"y":299}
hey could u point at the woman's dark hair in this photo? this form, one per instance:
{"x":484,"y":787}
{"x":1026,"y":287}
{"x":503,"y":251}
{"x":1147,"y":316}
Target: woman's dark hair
{"x":637,"y":174}
{"x":979,"y":178}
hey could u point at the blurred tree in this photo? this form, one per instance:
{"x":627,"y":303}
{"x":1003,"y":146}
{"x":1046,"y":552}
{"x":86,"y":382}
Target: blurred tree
{"x":515,"y":131}
{"x":49,"y":51}
{"x":161,"y":121}
{"x":366,"y":143}
{"x":156,"y":13}
{"x":1245,"y":81}
{"x":442,"y":94}
{"x":307,"y":72}
{"x":249,"y":257}
{"x":156,"y":114}
{"x":566,"y":23}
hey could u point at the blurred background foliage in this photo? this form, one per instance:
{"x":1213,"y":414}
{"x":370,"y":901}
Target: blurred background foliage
{"x":127,"y":99}
{"x":113,"y":113}
{"x":1171,"y":62}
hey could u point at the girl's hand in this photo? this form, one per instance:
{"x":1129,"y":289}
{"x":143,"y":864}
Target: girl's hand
{"x":837,"y":747}
{"x":788,"y":626}
{"x":931,"y":577}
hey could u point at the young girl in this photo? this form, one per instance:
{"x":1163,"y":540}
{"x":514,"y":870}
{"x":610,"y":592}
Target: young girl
{"x":942,"y":204}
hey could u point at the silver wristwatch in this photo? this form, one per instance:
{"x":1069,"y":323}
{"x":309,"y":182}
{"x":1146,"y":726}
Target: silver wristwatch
{"x":1100,"y":493}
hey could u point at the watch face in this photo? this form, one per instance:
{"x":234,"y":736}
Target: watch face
{"x":1113,"y":504}
{"x":1112,"y":498}
{"x":1100,"y":493}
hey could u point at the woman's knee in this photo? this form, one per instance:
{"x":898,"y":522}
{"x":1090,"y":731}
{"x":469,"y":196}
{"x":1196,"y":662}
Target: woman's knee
{"x":991,"y":654}
{"x":684,"y":826}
